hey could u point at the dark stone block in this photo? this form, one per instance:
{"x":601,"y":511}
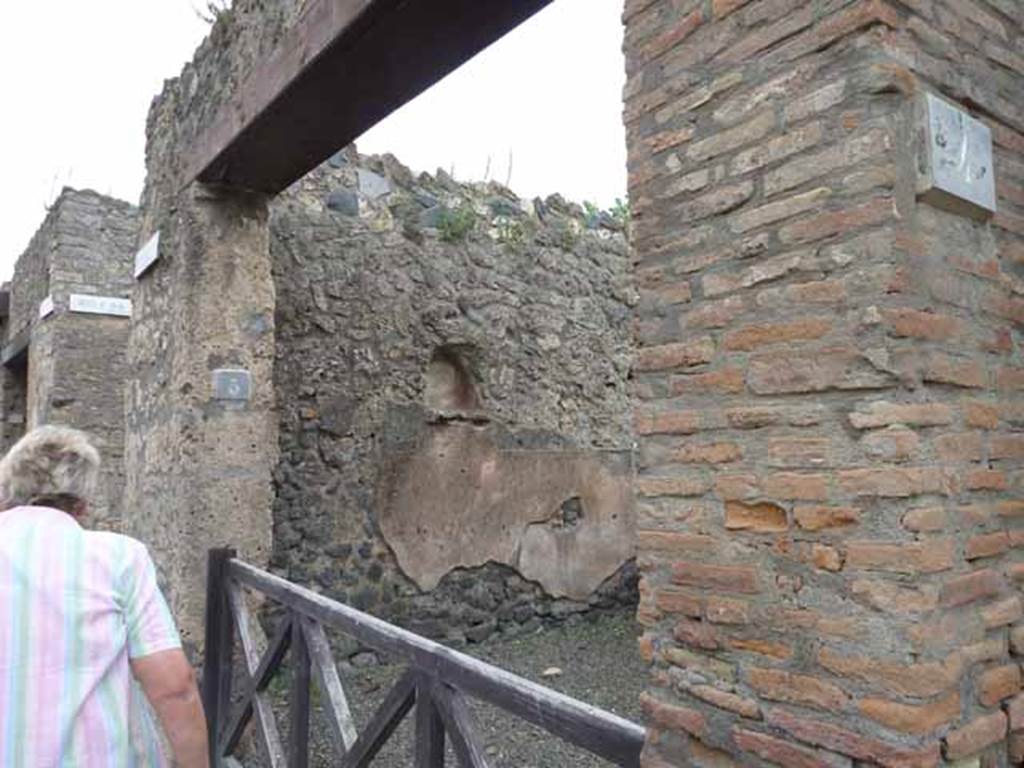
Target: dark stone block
{"x":344,"y":201}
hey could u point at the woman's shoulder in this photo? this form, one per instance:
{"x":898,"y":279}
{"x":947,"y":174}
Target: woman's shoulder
{"x":118,"y":543}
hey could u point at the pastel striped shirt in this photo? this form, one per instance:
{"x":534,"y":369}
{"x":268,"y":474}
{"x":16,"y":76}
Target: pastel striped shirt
{"x":75,"y":606}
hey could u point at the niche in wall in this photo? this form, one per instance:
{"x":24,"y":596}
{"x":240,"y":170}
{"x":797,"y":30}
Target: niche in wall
{"x":449,"y":386}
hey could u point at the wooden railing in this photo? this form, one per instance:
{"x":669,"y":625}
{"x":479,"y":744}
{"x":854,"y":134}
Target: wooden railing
{"x":437,"y":682}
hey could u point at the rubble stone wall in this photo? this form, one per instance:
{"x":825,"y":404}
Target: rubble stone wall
{"x":451,"y":374}
{"x":75,"y":361}
{"x":828,"y":385}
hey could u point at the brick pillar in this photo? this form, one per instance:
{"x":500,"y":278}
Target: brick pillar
{"x":828,"y":383}
{"x":198,"y":465}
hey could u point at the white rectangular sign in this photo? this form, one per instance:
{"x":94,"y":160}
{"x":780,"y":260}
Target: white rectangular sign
{"x":147,"y":255}
{"x":46,"y":307}
{"x":100,"y":305}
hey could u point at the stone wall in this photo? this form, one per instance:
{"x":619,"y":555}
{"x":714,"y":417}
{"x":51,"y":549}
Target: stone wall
{"x":72,"y":370}
{"x":199,"y":467}
{"x":451,"y":378}
{"x":828,"y":384}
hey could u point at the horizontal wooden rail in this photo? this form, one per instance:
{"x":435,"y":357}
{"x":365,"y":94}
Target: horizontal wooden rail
{"x":586,"y":726}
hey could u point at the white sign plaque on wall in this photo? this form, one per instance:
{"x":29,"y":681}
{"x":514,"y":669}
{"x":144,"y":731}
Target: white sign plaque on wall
{"x":958,"y":172}
{"x":46,"y":307}
{"x":100,"y":305}
{"x":147,"y":255}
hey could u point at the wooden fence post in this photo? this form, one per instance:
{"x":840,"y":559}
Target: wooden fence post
{"x":217,"y":649}
{"x":298,"y":746}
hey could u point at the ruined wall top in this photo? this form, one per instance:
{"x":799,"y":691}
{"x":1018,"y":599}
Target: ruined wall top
{"x":240,"y":37}
{"x":84,"y":245}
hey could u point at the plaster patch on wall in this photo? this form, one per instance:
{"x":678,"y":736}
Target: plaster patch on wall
{"x":461,"y":501}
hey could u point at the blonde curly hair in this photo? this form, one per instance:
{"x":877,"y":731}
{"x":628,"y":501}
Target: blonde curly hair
{"x":50,"y":466}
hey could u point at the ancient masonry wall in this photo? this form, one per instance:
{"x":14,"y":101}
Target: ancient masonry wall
{"x":73,"y":367}
{"x":829,"y":385}
{"x":451,"y":377}
{"x":198,"y":469}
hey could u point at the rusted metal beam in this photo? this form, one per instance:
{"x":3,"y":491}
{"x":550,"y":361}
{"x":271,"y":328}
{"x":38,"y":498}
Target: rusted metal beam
{"x":345,"y":66}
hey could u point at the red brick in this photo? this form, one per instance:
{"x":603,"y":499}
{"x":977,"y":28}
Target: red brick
{"x":696,"y":634}
{"x":970,"y":587}
{"x":846,"y":742}
{"x":722,"y":8}
{"x":725,"y":700}
{"x":926,"y":519}
{"x":668,"y":423}
{"x":672,"y":542}
{"x":1017,"y":633}
{"x":754,"y":336}
{"x":797,"y":486}
{"x":669,"y":38}
{"x":826,"y":558}
{"x":998,"y":683}
{"x":708,"y":453}
{"x":669,"y":356}
{"x":921,"y":679}
{"x":780,"y":685}
{"x":771,"y":151}
{"x":785,"y":753}
{"x":918,"y":719}
{"x":725,"y":380}
{"x":975,"y":736}
{"x":1010,"y":379}
{"x":1007,"y":447}
{"x":659,"y":142}
{"x":1015,"y":712}
{"x":829,"y":292}
{"x":986,"y":545}
{"x":839,"y":25}
{"x":715,"y":202}
{"x":985,"y":480}
{"x":763,"y":517}
{"x":1002,"y":612}
{"x":726,"y":578}
{"x":981,"y":415}
{"x":678,"y":602}
{"x":896,"y":443}
{"x":883,"y":414}
{"x":766,"y":36}
{"x":959,"y":447}
{"x":897,"y":482}
{"x":823,"y":163}
{"x":736,"y":486}
{"x":799,"y":451}
{"x":957,"y":371}
{"x":893,"y":598}
{"x":702,"y":756}
{"x":929,"y":556}
{"x":817,"y":518}
{"x":837,"y":222}
{"x":673,"y":717}
{"x":774,"y":650}
{"x":715,"y":314}
{"x":755,"y":417}
{"x":727,"y":610}
{"x":688,"y":485}
{"x":725,"y":141}
{"x":707,"y":666}
{"x":837,"y":368}
{"x":912,"y":323}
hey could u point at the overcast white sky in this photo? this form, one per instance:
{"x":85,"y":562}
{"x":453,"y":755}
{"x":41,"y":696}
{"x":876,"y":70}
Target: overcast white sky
{"x":77,"y":77}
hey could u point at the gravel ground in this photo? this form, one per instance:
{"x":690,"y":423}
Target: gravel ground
{"x":599,"y":664}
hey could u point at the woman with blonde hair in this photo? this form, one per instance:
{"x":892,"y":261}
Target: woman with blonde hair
{"x":80,"y":615}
